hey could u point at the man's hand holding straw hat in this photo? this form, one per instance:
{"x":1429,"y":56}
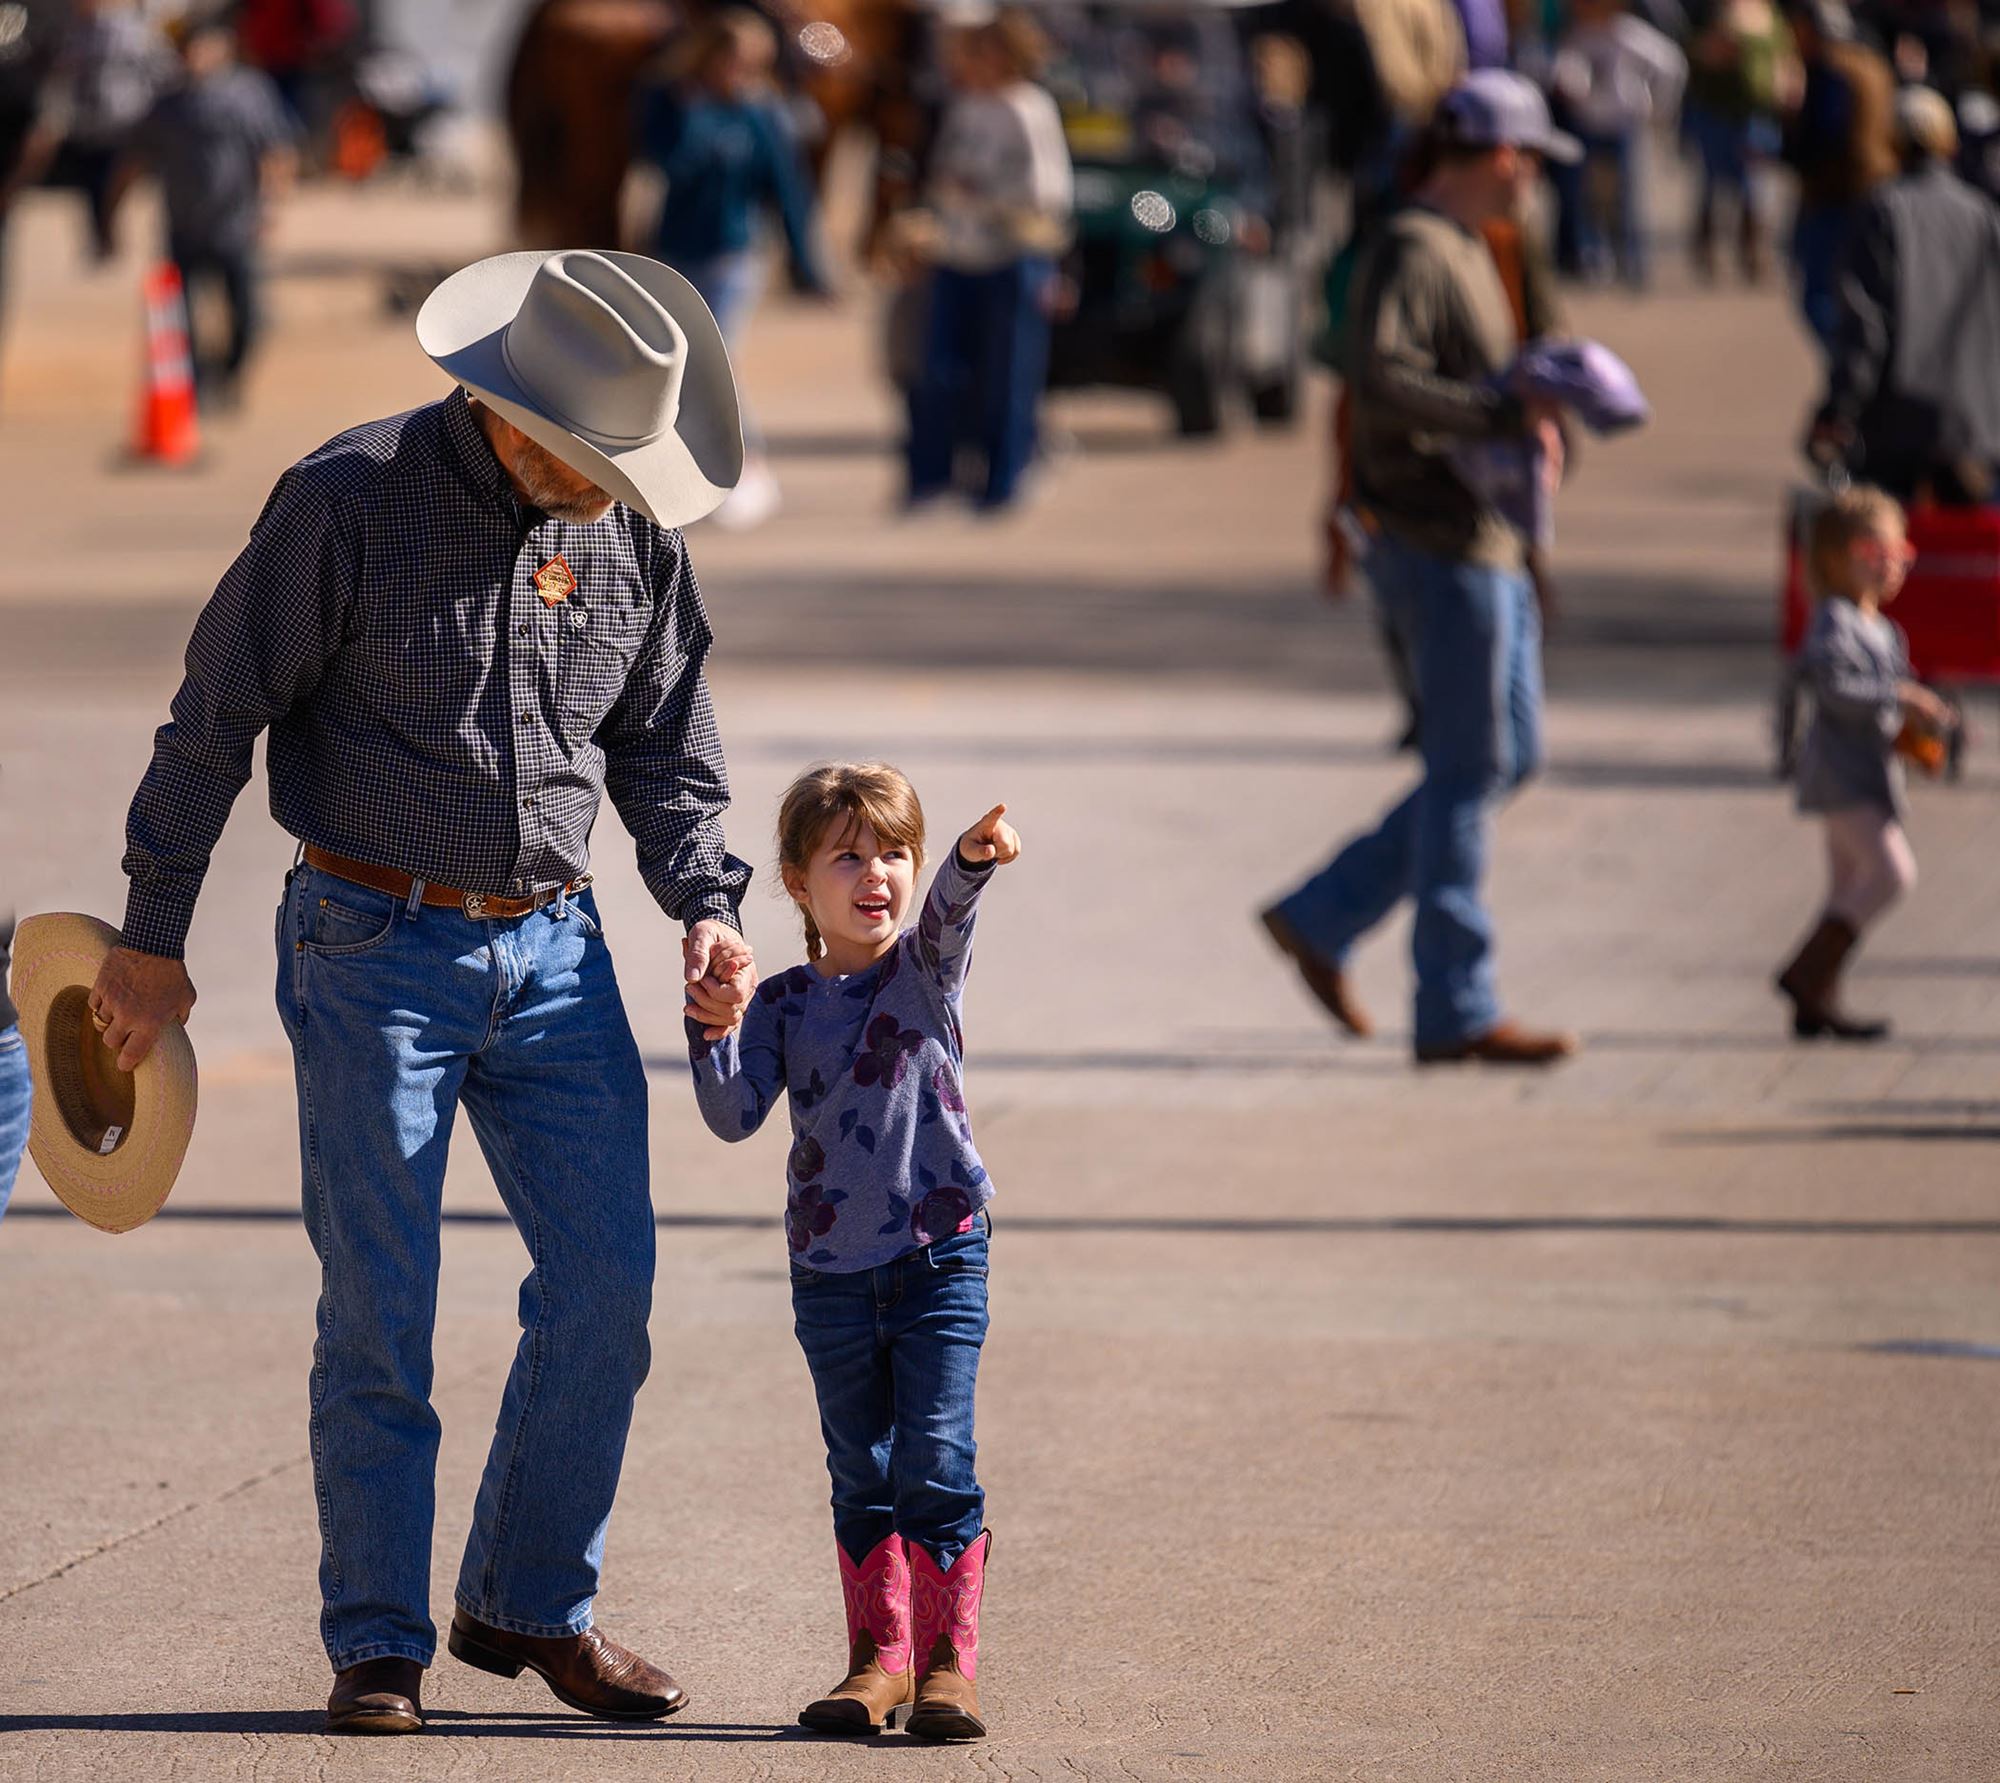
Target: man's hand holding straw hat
{"x":135,"y":996}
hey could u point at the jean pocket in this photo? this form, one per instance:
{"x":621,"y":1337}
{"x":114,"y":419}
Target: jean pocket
{"x":802,"y":1277}
{"x":963,"y":1253}
{"x":344,"y":922}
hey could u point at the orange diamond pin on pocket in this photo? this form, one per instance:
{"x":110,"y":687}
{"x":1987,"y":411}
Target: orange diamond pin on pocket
{"x":554,"y":582}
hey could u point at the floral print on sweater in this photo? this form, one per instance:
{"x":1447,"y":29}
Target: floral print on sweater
{"x":882,"y":1160}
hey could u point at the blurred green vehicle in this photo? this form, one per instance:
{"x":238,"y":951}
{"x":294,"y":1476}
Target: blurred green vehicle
{"x":1188,"y":272}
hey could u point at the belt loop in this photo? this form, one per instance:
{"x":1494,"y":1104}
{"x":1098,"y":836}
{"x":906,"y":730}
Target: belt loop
{"x":562,"y":903}
{"x":415,"y":901}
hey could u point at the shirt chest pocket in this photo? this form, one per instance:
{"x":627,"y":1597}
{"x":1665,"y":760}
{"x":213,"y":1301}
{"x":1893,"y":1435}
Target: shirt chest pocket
{"x":596,"y":649}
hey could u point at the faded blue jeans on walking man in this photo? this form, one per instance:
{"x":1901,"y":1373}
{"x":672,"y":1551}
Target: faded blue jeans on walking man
{"x":1474,"y":634}
{"x":894,"y":1354}
{"x":398,"y":1016}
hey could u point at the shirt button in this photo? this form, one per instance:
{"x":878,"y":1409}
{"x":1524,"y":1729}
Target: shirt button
{"x":527,"y":718}
{"x":526,"y":629}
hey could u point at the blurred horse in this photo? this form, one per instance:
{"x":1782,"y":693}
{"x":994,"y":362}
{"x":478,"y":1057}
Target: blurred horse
{"x":576,"y":71}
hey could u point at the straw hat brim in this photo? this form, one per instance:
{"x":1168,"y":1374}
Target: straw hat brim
{"x":56,"y":961}
{"x":673,"y":480}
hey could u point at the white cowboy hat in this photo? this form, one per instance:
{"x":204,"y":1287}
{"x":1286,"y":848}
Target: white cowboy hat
{"x":611,"y":361}
{"x":109,"y":1142}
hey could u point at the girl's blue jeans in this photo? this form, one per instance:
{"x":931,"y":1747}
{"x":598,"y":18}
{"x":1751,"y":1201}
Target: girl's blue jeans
{"x":894,"y":1354}
{"x":1474,"y":634}
{"x":16,"y":1099}
{"x":399,"y":1018}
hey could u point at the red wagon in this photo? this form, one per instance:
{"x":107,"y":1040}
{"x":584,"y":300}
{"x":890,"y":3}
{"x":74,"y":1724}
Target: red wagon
{"x":1949,"y":608}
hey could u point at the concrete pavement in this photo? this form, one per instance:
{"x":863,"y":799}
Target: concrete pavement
{"x":1339,"y":1421}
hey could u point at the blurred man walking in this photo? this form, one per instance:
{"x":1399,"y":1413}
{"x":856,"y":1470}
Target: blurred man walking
{"x":1433,"y":332}
{"x":220,"y":145}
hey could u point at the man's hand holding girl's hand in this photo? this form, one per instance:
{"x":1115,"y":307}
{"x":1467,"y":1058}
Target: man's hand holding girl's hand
{"x":992,"y":838}
{"x":721,"y":974}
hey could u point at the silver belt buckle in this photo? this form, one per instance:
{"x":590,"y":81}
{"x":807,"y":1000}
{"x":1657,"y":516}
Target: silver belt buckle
{"x":475,"y":905}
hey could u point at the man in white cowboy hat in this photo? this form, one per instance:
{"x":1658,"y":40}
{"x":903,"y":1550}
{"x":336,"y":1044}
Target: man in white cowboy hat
{"x":462,"y":626}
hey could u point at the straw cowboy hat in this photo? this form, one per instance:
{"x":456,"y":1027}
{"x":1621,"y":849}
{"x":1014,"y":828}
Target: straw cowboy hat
{"x":109,"y":1142}
{"x":611,"y":361}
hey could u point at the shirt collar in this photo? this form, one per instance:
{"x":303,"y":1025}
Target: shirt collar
{"x":468,"y":445}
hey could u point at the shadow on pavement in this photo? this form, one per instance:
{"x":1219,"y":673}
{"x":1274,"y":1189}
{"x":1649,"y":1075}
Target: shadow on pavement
{"x":1834,"y":1132}
{"x":457,"y":1723}
{"x":1172,"y":1226}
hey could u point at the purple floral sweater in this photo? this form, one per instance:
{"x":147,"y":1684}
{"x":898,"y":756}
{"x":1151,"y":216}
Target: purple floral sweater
{"x":882,"y":1159}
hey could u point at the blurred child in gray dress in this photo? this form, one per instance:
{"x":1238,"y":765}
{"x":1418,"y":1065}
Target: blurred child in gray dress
{"x":1866,"y":711}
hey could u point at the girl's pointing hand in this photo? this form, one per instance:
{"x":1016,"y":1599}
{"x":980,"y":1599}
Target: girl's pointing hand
{"x":992,"y":838}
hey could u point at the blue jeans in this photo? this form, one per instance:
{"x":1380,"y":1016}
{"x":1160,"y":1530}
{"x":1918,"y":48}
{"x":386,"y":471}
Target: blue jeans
{"x":986,"y":359}
{"x":17,"y":1096}
{"x":1819,"y":244}
{"x":1474,"y":634}
{"x":396,"y":1018}
{"x":730,"y":284}
{"x":894,"y":1353}
{"x":1576,"y":187}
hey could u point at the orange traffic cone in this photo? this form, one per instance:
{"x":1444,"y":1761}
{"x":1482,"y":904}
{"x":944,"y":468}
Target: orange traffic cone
{"x":168,"y":431}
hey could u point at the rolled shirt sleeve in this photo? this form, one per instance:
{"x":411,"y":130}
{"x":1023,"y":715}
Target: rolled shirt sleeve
{"x":259,"y":646}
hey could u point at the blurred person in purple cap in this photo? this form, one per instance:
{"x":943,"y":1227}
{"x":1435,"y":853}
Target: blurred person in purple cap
{"x":1913,"y":378}
{"x":1433,"y":330}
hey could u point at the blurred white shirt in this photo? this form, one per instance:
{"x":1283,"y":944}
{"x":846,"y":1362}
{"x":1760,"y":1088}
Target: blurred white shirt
{"x":1001,"y":160}
{"x":1617,"y":75}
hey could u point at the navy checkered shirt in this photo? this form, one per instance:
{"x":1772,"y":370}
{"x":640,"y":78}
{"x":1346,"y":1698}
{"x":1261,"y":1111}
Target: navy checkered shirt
{"x":428,"y":709}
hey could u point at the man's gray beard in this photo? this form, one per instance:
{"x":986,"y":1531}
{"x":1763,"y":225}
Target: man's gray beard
{"x":536,"y":472}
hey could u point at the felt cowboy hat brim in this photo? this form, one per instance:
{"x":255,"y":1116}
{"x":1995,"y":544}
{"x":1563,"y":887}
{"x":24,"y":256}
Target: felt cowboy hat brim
{"x":673,"y":475}
{"x":109,"y":1142}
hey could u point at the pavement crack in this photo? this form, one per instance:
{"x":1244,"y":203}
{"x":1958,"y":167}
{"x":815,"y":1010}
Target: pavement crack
{"x":110,"y":1543}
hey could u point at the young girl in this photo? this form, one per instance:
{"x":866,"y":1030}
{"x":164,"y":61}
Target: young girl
{"x":883,"y":1211}
{"x":1856,"y":665}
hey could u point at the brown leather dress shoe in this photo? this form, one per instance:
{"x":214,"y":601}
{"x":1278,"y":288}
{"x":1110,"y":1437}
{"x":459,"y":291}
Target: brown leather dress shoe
{"x":586,"y":1670}
{"x":1326,"y":982}
{"x":1507,"y":1044}
{"x":377,"y":1696}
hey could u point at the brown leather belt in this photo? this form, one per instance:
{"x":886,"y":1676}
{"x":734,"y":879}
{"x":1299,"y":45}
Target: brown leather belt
{"x":476,"y":905}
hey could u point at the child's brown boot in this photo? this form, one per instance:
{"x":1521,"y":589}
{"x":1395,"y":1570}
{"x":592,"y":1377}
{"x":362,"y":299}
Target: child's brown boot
{"x":878,"y":1681}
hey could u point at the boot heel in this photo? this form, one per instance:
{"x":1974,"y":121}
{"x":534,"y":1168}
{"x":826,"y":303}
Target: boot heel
{"x":485,"y":1658}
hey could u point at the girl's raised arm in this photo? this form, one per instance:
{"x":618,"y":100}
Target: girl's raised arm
{"x":944,"y":931}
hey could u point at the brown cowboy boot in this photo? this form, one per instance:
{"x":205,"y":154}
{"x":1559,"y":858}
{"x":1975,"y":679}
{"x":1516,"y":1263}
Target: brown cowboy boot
{"x":1326,"y":982}
{"x":1812,"y":980}
{"x":1507,"y":1044}
{"x":878,"y":1681}
{"x":586,"y":1670}
{"x":377,"y":1696}
{"x":944,"y":1619}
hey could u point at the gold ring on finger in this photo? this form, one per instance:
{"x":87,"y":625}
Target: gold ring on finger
{"x":100,"y":1022}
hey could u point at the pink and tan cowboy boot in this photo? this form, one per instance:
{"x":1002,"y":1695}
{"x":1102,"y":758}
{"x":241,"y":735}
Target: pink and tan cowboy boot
{"x":945,"y":1628}
{"x":878,"y":1682}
